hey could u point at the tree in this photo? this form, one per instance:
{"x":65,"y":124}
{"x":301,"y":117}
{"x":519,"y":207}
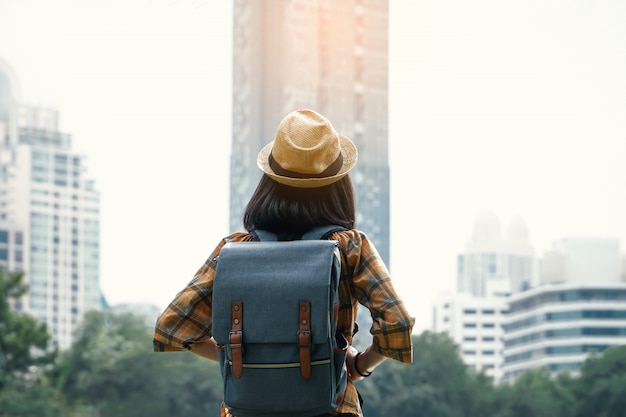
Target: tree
{"x":23,"y":357}
{"x":537,"y":393}
{"x":37,"y":398}
{"x":601,"y":386}
{"x":111,"y":371}
{"x":19,"y":333}
{"x":437,"y":384}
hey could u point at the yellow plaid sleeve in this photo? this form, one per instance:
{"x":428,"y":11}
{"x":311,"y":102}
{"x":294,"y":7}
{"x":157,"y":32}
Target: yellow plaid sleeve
{"x":187,"y":319}
{"x":371,"y":285}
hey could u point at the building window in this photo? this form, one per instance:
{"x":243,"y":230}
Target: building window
{"x":60,"y":159}
{"x":567,"y":333}
{"x":492,"y":263}
{"x":469,"y":311}
{"x":40,"y":156}
{"x":4,"y":236}
{"x":469,"y":325}
{"x":558,"y":367}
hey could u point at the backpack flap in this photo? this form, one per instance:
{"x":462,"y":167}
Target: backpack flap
{"x":247,"y":272}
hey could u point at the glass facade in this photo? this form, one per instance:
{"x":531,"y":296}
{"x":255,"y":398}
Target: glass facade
{"x":11,"y":248}
{"x":565,"y":316}
{"x":573,"y":295}
{"x":565,"y":333}
{"x":558,"y":326}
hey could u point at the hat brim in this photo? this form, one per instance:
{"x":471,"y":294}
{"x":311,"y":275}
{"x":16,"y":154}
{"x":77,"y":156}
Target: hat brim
{"x":348,"y":152}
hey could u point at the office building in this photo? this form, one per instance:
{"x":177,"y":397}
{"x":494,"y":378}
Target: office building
{"x":326,"y":55}
{"x":580,"y":308}
{"x":50,"y":209}
{"x":475,"y":325}
{"x":557,"y":326}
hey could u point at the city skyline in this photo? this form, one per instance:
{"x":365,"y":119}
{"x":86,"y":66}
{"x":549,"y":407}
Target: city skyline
{"x":575,"y":307}
{"x":509,"y":107}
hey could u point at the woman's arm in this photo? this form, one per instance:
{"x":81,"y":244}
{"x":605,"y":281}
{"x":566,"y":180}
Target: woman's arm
{"x":367,"y":361}
{"x":206,"y":349}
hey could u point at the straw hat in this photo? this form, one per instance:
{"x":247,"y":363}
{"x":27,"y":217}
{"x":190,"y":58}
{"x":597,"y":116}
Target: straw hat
{"x":307,"y":152}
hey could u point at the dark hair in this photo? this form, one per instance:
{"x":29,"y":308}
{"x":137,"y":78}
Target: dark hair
{"x":290,"y":211}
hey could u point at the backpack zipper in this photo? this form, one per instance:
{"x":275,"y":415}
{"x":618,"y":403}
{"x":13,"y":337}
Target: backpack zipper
{"x":279,"y":365}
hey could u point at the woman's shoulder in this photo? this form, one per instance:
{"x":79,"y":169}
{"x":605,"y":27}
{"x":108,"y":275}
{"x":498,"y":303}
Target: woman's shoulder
{"x":352,"y":234}
{"x":233,"y":237}
{"x":351,"y":238}
{"x":357,"y":249}
{"x":238,"y":237}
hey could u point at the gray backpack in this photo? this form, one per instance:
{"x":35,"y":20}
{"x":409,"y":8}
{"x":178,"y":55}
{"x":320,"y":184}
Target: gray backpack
{"x":275,"y":308}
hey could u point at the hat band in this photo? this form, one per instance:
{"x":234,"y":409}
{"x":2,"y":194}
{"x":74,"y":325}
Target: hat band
{"x":328,"y":172}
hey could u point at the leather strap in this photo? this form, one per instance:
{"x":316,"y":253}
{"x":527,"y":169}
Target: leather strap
{"x":235,"y":338}
{"x":304,"y":339}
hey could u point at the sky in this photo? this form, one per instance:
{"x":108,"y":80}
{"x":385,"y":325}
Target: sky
{"x":513,"y":107}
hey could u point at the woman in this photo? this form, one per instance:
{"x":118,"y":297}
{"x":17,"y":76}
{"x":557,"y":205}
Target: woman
{"x":306,"y":183}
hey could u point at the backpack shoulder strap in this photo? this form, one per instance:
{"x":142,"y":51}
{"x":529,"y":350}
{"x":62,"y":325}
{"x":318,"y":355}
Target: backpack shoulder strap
{"x":322,"y":232}
{"x":316,"y":233}
{"x":263,"y":236}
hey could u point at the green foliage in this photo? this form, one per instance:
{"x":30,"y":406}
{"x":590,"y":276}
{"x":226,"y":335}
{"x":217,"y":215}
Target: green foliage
{"x":19,"y":333}
{"x":112,"y":371}
{"x":536,"y":393}
{"x":436,"y":384}
{"x":23,"y":341}
{"x":602,"y":384}
{"x":36,"y":398}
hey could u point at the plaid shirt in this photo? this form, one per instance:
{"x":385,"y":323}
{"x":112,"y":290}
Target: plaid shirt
{"x":364,"y":279}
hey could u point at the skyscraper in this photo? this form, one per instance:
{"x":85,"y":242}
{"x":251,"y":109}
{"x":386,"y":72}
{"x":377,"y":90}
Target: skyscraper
{"x":51,"y":210}
{"x":494,"y":263}
{"x":327,"y":55}
{"x":492,"y":267}
{"x":11,"y":234}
